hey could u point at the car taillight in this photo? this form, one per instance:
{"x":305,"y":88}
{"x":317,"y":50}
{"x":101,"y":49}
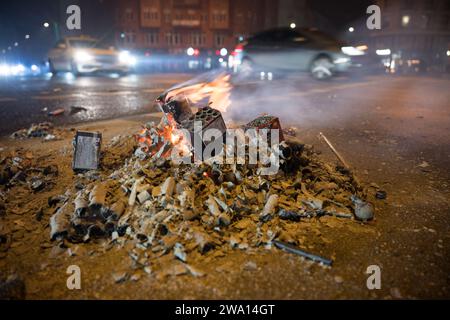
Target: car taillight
{"x":239,"y":48}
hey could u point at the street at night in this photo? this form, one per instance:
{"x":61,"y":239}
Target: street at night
{"x":27,"y":101}
{"x":294,"y":152}
{"x":386,"y":128}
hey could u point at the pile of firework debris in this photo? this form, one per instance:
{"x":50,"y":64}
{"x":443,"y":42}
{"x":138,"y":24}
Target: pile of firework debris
{"x":162,"y":207}
{"x":20,"y":168}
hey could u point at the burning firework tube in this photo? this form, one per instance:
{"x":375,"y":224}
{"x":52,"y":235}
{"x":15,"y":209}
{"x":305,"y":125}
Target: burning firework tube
{"x":179,"y":108}
{"x":97,"y":196}
{"x":269,"y":207}
{"x":81,"y":205}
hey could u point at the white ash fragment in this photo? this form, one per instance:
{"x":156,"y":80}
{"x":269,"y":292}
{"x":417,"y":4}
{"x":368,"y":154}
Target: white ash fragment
{"x":133,"y":194}
{"x":179,"y":252}
{"x":269,"y":208}
{"x":143,"y":196}
{"x":168,"y":187}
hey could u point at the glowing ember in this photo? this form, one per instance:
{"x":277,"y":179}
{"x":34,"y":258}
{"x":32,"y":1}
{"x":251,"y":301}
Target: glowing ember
{"x":162,"y":139}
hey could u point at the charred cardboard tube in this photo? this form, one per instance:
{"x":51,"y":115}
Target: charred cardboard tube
{"x":117,"y":209}
{"x":81,"y":205}
{"x":97,"y":196}
{"x":79,"y":226}
{"x":110,"y":226}
{"x":95,"y":231}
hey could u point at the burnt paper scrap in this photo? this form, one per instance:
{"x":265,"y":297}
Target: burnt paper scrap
{"x":86,"y":151}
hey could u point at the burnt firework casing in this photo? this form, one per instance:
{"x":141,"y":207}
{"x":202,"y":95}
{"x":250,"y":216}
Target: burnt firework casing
{"x":86,"y":154}
{"x":266,"y":122}
{"x":210,"y":119}
{"x":178,"y":108}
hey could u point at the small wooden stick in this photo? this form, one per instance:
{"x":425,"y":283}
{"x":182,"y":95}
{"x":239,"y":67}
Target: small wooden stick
{"x":336,"y":153}
{"x":341,"y":159}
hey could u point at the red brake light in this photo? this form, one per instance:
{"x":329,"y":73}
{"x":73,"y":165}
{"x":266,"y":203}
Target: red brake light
{"x":239,"y":48}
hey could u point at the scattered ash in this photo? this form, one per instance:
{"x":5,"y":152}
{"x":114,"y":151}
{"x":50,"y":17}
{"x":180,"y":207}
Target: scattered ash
{"x":21,"y":168}
{"x":44,"y":130}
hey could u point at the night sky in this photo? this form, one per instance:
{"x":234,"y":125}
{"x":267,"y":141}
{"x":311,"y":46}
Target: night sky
{"x":21,"y":17}
{"x":341,"y":12}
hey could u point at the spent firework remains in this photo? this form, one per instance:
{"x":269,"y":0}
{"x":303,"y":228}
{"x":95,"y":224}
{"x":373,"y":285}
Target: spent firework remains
{"x":157,"y":207}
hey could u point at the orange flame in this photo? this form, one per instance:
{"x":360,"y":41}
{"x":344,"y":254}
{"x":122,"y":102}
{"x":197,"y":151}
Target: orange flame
{"x":166,"y":131}
{"x":217,"y":93}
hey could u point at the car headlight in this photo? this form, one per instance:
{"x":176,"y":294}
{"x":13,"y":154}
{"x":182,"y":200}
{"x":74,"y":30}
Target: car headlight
{"x":342,"y":60}
{"x":126,"y":58}
{"x":352,"y":51}
{"x":83,"y":56}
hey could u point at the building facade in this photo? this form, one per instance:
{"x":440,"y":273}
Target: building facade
{"x":174,"y":25}
{"x":414,"y":29}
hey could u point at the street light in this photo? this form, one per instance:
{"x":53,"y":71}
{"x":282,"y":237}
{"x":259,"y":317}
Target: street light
{"x":351,"y":29}
{"x":27,"y":36}
{"x":46,"y":24}
{"x":293,"y":25}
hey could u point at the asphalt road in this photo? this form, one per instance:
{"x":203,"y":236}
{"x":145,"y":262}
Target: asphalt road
{"x":25,"y":101}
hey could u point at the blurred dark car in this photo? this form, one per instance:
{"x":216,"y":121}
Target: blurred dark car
{"x":288,"y":49}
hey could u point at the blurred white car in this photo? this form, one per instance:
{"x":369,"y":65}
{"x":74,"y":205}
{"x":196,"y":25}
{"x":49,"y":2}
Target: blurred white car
{"x":82,"y":55}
